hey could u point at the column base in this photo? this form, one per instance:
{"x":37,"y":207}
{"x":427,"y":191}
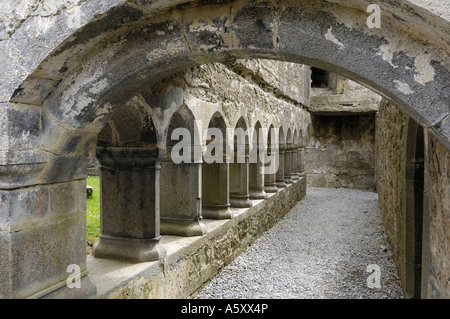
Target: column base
{"x":301,"y":174}
{"x":281,"y":184}
{"x":240,"y":201}
{"x":288,"y":180}
{"x":129,"y":249}
{"x":258,"y":194}
{"x":295,"y":177}
{"x":271,"y":188}
{"x":181,"y":227}
{"x":217,"y":212}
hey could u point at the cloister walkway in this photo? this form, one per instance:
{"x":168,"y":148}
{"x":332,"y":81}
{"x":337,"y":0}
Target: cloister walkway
{"x":325,"y":247}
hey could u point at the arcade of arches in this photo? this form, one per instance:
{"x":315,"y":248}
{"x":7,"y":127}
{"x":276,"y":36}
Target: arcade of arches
{"x":330,"y":101}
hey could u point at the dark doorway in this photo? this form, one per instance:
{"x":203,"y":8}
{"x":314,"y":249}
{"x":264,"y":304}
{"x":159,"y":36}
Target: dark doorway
{"x":414,"y":210}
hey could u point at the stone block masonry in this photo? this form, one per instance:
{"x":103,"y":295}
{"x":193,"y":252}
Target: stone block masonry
{"x":415,"y":206}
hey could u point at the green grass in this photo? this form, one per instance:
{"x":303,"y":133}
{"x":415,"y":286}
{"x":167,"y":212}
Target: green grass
{"x":93,"y":210}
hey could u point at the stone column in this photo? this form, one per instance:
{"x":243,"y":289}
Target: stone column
{"x":270,"y":185}
{"x":288,"y":164}
{"x":239,"y":182}
{"x":301,"y":161}
{"x":294,"y":174}
{"x":281,"y":165}
{"x":215,"y":190}
{"x":181,"y":209}
{"x":130,"y":212}
{"x":256,"y":177}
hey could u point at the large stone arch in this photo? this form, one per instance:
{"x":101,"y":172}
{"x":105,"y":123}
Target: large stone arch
{"x":280,"y":183}
{"x":70,"y":79}
{"x":81,"y":82}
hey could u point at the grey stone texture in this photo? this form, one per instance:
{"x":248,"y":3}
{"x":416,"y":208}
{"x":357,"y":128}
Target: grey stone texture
{"x":395,"y":126}
{"x":130,"y":204}
{"x":193,"y":261}
{"x":319,"y":250}
{"x":341,"y":153}
{"x":343,"y":97}
{"x":438,"y":195}
{"x":412,"y":90}
{"x":44,"y":233}
{"x":68,"y":67}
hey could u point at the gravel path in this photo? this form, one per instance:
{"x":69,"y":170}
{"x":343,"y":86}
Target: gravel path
{"x":321,"y":249}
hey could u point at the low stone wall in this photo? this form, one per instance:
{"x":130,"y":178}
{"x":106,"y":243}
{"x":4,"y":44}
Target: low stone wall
{"x":192,"y":262}
{"x":341,"y":153}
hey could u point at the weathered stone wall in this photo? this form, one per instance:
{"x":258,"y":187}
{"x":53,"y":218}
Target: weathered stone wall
{"x":285,"y":80}
{"x":182,"y":273}
{"x":234,"y":90}
{"x":271,"y":92}
{"x":341,"y":153}
{"x":68,"y":65}
{"x":437,"y":172}
{"x":341,"y":148}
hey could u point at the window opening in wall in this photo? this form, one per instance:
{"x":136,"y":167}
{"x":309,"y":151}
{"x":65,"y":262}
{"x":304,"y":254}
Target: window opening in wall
{"x":319,"y":78}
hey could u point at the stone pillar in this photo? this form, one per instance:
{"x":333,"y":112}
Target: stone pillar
{"x":181,"y":209}
{"x":294,"y":174}
{"x":215,"y":190}
{"x":239,"y":182}
{"x":256,"y":176}
{"x":270,"y":185}
{"x":281,"y":166}
{"x":42,"y":233}
{"x":288,"y":164}
{"x":130,"y":212}
{"x":301,"y":161}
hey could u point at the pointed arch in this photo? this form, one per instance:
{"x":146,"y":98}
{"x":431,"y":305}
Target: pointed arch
{"x":271,"y":166}
{"x":239,"y":166}
{"x":181,"y":213}
{"x":215,"y":171}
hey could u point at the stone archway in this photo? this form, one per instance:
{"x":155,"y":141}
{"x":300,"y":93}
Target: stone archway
{"x":181,"y":207}
{"x":71,"y":85}
{"x":239,"y":166}
{"x":215,"y":171}
{"x":130,"y":158}
{"x":270,"y":185}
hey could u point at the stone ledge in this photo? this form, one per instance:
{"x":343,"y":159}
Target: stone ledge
{"x":193,"y":261}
